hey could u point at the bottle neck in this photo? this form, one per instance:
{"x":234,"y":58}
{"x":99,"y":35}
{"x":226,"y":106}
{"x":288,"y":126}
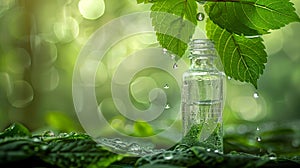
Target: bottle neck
{"x":202,"y":55}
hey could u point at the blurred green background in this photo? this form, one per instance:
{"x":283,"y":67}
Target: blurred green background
{"x":41,"y":39}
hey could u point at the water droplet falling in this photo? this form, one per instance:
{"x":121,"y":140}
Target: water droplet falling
{"x":166,"y":86}
{"x":167,"y":107}
{"x":200,"y":16}
{"x":258,"y":139}
{"x":256,"y":95}
{"x":175,"y":66}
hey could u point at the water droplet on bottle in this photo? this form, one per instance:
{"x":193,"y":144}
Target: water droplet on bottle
{"x":168,"y":155}
{"x":175,"y":66}
{"x":173,"y":56}
{"x":258,"y":139}
{"x":167,"y":106}
{"x":166,"y":86}
{"x":200,"y":16}
{"x":256,"y":95}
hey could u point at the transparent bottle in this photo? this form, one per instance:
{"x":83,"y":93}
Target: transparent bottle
{"x":202,"y":98}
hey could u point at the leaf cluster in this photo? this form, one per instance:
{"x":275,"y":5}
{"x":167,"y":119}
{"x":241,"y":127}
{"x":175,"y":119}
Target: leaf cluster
{"x":235,"y":26}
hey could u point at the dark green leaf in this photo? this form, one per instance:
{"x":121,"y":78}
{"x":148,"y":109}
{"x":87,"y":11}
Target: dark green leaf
{"x":15,"y":130}
{"x":251,"y":17}
{"x":243,"y":58}
{"x":174,"y":21}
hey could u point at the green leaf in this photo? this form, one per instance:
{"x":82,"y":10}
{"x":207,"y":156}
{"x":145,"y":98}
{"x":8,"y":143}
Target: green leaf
{"x":15,"y":130}
{"x":174,"y":21}
{"x":251,"y":17}
{"x":243,"y":58}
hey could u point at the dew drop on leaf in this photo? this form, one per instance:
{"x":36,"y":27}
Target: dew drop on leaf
{"x":272,"y":156}
{"x":173,"y":56}
{"x":134,"y":147}
{"x":216,"y":151}
{"x":200,"y":16}
{"x":166,"y":86}
{"x":229,"y":78}
{"x":168,"y":155}
{"x":36,"y":139}
{"x":48,"y":134}
{"x":167,"y":107}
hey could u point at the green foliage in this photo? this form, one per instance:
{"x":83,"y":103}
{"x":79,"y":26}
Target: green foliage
{"x":173,"y":33}
{"x":251,"y":17}
{"x":79,"y":150}
{"x":243,"y":57}
{"x":63,"y":150}
{"x":15,"y":130}
{"x":198,"y":157}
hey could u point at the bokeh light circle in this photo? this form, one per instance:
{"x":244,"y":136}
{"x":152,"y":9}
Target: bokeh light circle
{"x":91,"y":9}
